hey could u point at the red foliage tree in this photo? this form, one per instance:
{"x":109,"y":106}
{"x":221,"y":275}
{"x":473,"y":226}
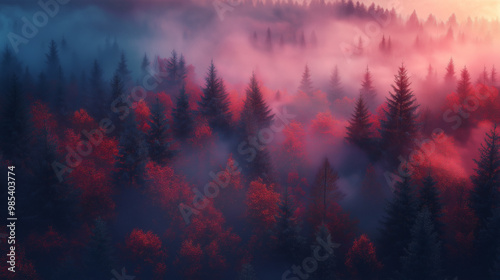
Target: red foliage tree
{"x":361,"y":260}
{"x":145,"y":250}
{"x":262,"y":202}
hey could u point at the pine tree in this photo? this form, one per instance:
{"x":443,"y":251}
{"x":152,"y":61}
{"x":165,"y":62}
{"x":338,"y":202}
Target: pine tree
{"x":99,"y":257}
{"x":269,"y":40}
{"x":464,"y":85}
{"x":429,"y":197}
{"x":182,"y":71}
{"x":49,"y":201}
{"x":123,"y":72}
{"x":145,"y":63}
{"x":450,"y":73}
{"x":486,"y":246}
{"x":173,"y":68}
{"x":214,"y":104}
{"x":247,"y":272}
{"x":423,"y":254}
{"x":182,"y":120}
{"x":325,"y":190}
{"x":132,"y":153}
{"x":327,"y":269}
{"x":400,"y":126}
{"x":359,"y":129}
{"x":96,"y":94}
{"x":9,"y":67}
{"x":400,"y":217}
{"x":336,"y":90}
{"x":287,"y":233}
{"x":306,"y":85}
{"x":383,"y":46}
{"x":493,"y":77}
{"x":256,"y":114}
{"x":484,"y":78}
{"x":14,"y":121}
{"x":158,"y":138}
{"x":484,"y":196}
{"x":367,"y":90}
{"x":117,"y":101}
{"x":52,"y":60}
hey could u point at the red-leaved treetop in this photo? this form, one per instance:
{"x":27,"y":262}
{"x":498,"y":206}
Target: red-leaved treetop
{"x":361,"y":260}
{"x":262,"y":202}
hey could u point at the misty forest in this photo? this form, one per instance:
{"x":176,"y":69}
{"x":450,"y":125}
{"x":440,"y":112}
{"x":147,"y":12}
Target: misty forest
{"x":248,"y":140}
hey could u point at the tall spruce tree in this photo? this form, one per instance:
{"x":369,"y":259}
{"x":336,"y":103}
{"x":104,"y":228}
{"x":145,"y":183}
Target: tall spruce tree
{"x":325,"y":189}
{"x":306,"y":85}
{"x":395,"y":234}
{"x":123,"y":72}
{"x":450,"y":77}
{"x":486,"y":246}
{"x":400,"y":125}
{"x":182,"y":71}
{"x":52,"y":61}
{"x":132,"y":153}
{"x":256,"y":114}
{"x":359,"y":129}
{"x":214,"y":104}
{"x":182,"y":119}
{"x":158,"y":137}
{"x":336,"y":90}
{"x":14,"y":121}
{"x":99,"y":258}
{"x":327,"y":269}
{"x":287,"y":233}
{"x":429,"y":196}
{"x":96,"y":92}
{"x":464,"y":85}
{"x":484,"y":196}
{"x":367,"y":90}
{"x":423,"y":254}
{"x":173,"y":68}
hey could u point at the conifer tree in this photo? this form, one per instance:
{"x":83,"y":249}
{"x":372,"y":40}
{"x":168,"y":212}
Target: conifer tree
{"x":256,"y":114}
{"x":96,"y":94}
{"x":327,"y":269}
{"x":400,"y":126}
{"x":450,"y":72}
{"x":486,"y":246}
{"x":367,"y":90}
{"x":117,"y":101}
{"x":359,"y":128}
{"x":464,"y":85}
{"x":182,"y":119}
{"x":336,"y":90}
{"x":132,"y":153}
{"x":423,"y":254}
{"x":52,"y":60}
{"x":288,"y":238}
{"x":484,"y":196}
{"x":158,"y":138}
{"x":123,"y":72}
{"x":306,"y":85}
{"x":182,"y":71}
{"x":325,"y":190}
{"x":429,"y":196}
{"x":214,"y":104}
{"x":493,"y":77}
{"x":99,"y":257}
{"x":173,"y":68}
{"x":145,"y":63}
{"x":400,"y":217}
{"x":14,"y":121}
{"x":50,"y":201}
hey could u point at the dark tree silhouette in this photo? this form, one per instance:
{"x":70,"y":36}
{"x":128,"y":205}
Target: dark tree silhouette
{"x":306,"y":85}
{"x":183,"y":123}
{"x":214,"y":104}
{"x":158,"y":137}
{"x":450,"y":77}
{"x":99,"y":258}
{"x":400,"y":126}
{"x":359,"y":129}
{"x":336,"y":90}
{"x":430,"y":197}
{"x":484,"y":196}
